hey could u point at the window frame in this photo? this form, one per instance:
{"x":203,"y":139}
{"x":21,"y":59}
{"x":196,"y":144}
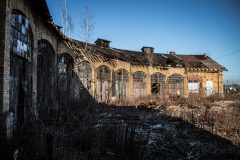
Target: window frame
{"x":21,"y":41}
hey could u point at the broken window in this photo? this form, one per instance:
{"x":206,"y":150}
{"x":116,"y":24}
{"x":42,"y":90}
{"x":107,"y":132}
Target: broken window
{"x":103,"y":83}
{"x":139,"y":84}
{"x":21,"y":35}
{"x":20,"y":80}
{"x":85,"y":72}
{"x":65,"y":64}
{"x":175,"y":85}
{"x":121,"y":83}
{"x":157,"y":84}
{"x":65,"y":80}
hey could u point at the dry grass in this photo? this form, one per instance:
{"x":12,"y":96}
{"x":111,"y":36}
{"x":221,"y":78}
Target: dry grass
{"x":219,"y":116}
{"x":142,"y":129}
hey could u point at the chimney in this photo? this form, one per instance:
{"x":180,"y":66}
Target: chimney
{"x":205,"y":55}
{"x":149,"y":53}
{"x":102,"y":43}
{"x":147,"y":50}
{"x":172,"y":53}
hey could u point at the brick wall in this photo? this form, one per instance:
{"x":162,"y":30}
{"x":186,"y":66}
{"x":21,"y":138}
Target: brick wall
{"x":40,"y":31}
{"x":2,"y":48}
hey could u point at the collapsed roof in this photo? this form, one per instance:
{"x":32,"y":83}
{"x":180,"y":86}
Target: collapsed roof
{"x":162,"y":60}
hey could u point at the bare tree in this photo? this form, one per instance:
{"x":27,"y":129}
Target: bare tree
{"x":67,"y":25}
{"x":87,"y":26}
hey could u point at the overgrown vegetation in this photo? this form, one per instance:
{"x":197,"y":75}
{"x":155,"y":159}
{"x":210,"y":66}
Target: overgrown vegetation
{"x":219,"y":116}
{"x":151,"y":129}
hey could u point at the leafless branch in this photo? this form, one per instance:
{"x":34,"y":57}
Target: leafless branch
{"x":87,"y":26}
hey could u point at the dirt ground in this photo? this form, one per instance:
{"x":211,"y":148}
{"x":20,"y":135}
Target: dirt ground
{"x":142,"y":133}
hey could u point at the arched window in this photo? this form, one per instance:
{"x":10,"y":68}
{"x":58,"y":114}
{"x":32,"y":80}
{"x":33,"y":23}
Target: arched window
{"x":103,"y":73}
{"x":121,"y":75}
{"x":21,"y":35}
{"x":20,"y":80}
{"x":157,"y":83}
{"x":139,"y":77}
{"x":85,"y":72}
{"x":103,"y":83}
{"x":46,"y":79}
{"x":121,"y":83}
{"x":65,"y":64}
{"x":139,"y":82}
{"x":176,"y":85}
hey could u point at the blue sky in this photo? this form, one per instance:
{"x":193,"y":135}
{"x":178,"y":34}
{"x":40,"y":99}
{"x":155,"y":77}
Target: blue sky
{"x":183,"y":26}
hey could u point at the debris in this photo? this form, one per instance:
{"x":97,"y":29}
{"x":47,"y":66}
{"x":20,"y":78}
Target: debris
{"x":17,"y":153}
{"x":157,"y":126}
{"x":98,"y":125}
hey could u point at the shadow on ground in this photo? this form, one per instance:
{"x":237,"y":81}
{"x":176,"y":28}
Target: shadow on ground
{"x":122,"y":132}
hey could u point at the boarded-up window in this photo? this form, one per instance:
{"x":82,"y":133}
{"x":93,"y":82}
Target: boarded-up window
{"x":176,"y":85}
{"x":103,"y":83}
{"x":209,"y":87}
{"x":121,"y":84}
{"x":157,"y":84}
{"x":139,"y":84}
{"x":85,"y":72}
{"x":193,"y":86}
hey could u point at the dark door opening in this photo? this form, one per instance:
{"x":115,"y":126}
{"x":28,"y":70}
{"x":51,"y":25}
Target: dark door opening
{"x":19,"y":89}
{"x":46,"y":81}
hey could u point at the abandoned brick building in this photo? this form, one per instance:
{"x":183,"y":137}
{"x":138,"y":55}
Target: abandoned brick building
{"x":37,"y":62}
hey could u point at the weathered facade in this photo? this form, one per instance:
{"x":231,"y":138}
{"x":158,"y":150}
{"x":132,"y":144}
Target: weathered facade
{"x":133,"y":74}
{"x":42,"y":71}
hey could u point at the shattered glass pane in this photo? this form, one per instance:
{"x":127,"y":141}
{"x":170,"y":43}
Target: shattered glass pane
{"x":121,"y":84}
{"x":121,"y":75}
{"x":103,"y":73}
{"x":176,"y":85}
{"x":21,"y":35}
{"x":85,"y":71}
{"x":157,"y":83}
{"x":65,"y":65}
{"x":139,"y":76}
